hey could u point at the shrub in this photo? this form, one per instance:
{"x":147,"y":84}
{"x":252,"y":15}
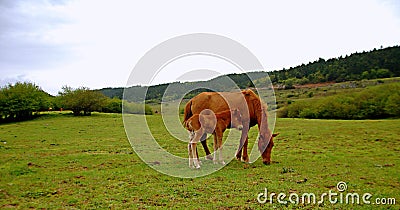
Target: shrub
{"x":113,"y":105}
{"x":294,"y":109}
{"x":135,"y":108}
{"x":376,"y":102}
{"x":282,"y":112}
{"x":308,"y":112}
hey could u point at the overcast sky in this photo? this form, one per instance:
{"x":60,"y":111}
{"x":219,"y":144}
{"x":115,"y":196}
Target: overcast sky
{"x":96,"y":44}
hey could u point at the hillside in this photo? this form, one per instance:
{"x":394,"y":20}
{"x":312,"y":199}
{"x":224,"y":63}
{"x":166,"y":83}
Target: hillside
{"x":366,"y":99}
{"x":382,"y":63}
{"x":156,"y":92}
{"x":377,"y":63}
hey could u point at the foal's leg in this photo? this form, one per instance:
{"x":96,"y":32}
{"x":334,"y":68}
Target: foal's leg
{"x":190,"y":153}
{"x":195,"y":159}
{"x":194,"y":142}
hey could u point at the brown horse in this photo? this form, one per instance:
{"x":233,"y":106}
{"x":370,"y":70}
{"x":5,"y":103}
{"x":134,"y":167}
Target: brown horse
{"x":253,"y":113}
{"x":209,"y":122}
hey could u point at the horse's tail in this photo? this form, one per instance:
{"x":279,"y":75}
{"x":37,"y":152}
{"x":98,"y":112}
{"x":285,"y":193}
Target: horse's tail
{"x":187,"y":112}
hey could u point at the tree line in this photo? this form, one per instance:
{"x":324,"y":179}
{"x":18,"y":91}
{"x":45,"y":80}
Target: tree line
{"x":377,"y":63}
{"x":24,"y":101}
{"x":382,"y":63}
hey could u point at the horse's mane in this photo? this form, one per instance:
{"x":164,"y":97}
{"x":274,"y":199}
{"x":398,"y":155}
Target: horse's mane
{"x":256,"y":101}
{"x":260,"y":109}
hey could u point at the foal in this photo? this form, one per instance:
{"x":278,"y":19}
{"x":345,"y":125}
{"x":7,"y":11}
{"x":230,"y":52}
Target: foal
{"x":208,"y":122}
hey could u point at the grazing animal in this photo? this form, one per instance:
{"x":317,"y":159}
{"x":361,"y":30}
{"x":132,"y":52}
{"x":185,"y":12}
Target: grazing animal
{"x":253,"y":113}
{"x":208,"y":122}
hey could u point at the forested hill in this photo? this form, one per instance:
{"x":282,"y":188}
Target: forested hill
{"x":378,"y":63}
{"x":374,"y":64}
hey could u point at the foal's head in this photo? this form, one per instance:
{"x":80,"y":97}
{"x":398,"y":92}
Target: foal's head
{"x":236,"y":119}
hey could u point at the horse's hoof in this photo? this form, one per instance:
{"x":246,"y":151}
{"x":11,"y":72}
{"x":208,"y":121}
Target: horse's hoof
{"x":267,"y":162}
{"x":223,"y":162}
{"x":209,"y":157}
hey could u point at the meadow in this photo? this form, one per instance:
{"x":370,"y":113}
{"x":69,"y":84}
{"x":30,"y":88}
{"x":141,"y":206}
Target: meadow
{"x":60,"y":161}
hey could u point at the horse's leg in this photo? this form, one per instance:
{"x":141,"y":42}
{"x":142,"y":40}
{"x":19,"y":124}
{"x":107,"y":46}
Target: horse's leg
{"x":243,"y":138}
{"x":215,"y":147}
{"x":190,"y":155}
{"x":197,"y":156}
{"x":245,"y":156}
{"x":221,"y":159}
{"x":204,"y":143}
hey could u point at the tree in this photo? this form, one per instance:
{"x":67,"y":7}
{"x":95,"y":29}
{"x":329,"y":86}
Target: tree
{"x":21,"y":100}
{"x":365,"y":75}
{"x":383,"y":73}
{"x":81,"y":100}
{"x":289,"y":84}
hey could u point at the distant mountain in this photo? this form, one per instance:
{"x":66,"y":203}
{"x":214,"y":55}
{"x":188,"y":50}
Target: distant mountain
{"x":378,"y":63}
{"x":175,"y":90}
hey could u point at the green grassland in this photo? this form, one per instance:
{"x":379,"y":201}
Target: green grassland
{"x":60,"y":161}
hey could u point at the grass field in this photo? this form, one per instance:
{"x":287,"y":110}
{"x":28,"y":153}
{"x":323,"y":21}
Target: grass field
{"x":59,"y":161}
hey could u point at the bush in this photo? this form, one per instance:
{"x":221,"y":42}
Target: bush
{"x":372,"y":103}
{"x":135,"y":108}
{"x":392,"y":105}
{"x":113,"y":105}
{"x":307,"y":113}
{"x":282,"y":112}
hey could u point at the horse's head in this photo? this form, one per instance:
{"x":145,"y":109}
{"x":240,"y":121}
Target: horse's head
{"x":265,"y":146}
{"x":236,"y":120}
